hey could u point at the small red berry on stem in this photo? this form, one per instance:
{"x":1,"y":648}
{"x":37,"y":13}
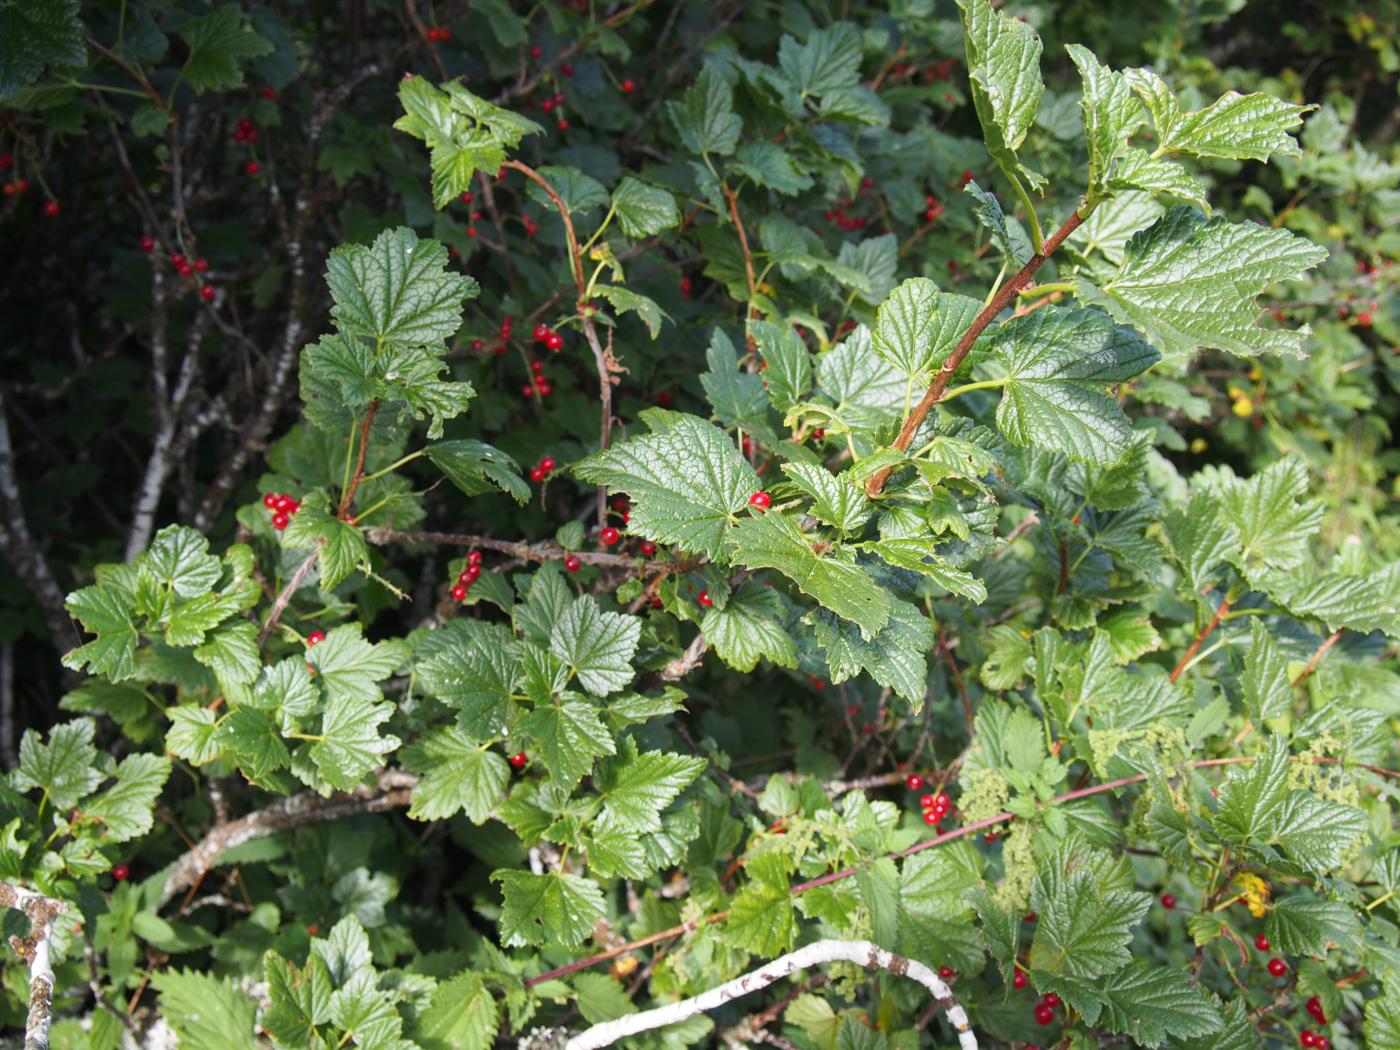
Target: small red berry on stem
{"x":1277,"y":967}
{"x":609,"y":536}
{"x":705,"y":599}
{"x":946,"y":971}
{"x":761,"y":500}
{"x":1019,"y":979}
{"x":932,"y":817}
{"x":926,"y":801}
{"x":51,"y":209}
{"x":554,"y":341}
{"x":628,"y":86}
{"x":648,"y":548}
{"x":913,"y":781}
{"x":519,"y":760}
{"x":547,"y":463}
{"x":1307,"y":1037}
{"x":541,"y":332}
{"x":1050,"y":999}
{"x":207,"y":293}
{"x":537,"y":52}
{"x":1044,"y":1014}
{"x":572,"y":563}
{"x":270,"y":500}
{"x":1261,"y":943}
{"x":252,"y":168}
{"x":148,"y":244}
{"x":1168,"y":901}
{"x":536,"y":474}
{"x":315,"y":638}
{"x":459,"y":592}
{"x":279,"y":521}
{"x":121,"y":872}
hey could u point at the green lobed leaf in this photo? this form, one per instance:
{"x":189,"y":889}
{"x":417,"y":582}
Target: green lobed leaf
{"x":477,"y":468}
{"x":554,"y":908}
{"x":705,"y":115}
{"x":350,"y":745}
{"x":1112,"y":113}
{"x":124,"y":809}
{"x":635,"y":788}
{"x":1006,"y":232}
{"x":917,"y":327}
{"x":1268,"y":691}
{"x":1083,"y":930}
{"x":737,"y":396}
{"x":220,"y":44}
{"x":205,"y":1012}
{"x":896,"y":656}
{"x":107,"y":612}
{"x":686,"y":479}
{"x":35,"y":34}
{"x":1234,"y":126}
{"x":774,"y":541}
{"x":1057,"y":364}
{"x":397,"y":290}
{"x":597,"y":646}
{"x":1190,"y":282}
{"x":1150,"y":1003}
{"x":643,"y":210}
{"x":1302,"y":924}
{"x":1003,"y":63}
{"x":749,"y":628}
{"x":65,"y":768}
{"x":463,"y":1015}
{"x":568,"y":735}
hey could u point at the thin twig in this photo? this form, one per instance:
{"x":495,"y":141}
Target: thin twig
{"x":1205,"y":633}
{"x":293,"y":585}
{"x":1307,"y":671}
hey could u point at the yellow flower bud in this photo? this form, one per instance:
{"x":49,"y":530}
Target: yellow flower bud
{"x":1243,"y":407}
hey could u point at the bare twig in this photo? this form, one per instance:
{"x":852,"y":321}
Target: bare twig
{"x":298,"y":578}
{"x":1316,"y":659}
{"x":392,"y":790}
{"x":35,"y":951}
{"x":862,"y":953}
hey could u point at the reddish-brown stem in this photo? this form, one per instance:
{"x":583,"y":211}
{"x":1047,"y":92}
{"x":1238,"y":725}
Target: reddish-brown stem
{"x":1311,"y":666}
{"x":134,"y":73}
{"x":918,"y":847}
{"x":989,"y":313}
{"x":348,"y":496}
{"x":1196,"y":643}
{"x":957,"y":676}
{"x":575,"y":260}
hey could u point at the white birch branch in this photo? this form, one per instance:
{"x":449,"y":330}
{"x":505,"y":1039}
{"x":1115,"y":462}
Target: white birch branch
{"x":862,"y":953}
{"x":35,"y":952}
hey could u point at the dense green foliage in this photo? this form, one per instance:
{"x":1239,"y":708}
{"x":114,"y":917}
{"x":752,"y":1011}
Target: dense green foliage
{"x":565,"y":506}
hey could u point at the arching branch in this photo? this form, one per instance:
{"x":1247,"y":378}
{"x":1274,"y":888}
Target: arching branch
{"x":862,"y":953}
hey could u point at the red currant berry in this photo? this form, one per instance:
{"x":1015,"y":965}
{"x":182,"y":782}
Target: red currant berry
{"x":207,"y":293}
{"x":932,"y":817}
{"x":527,"y":390}
{"x":51,"y":209}
{"x":121,"y":872}
{"x":572,"y":563}
{"x":547,"y":463}
{"x":705,"y":599}
{"x":270,"y":94}
{"x":315,"y":638}
{"x":537,"y":52}
{"x":1315,"y":1008}
{"x":279,"y":521}
{"x":519,"y":760}
{"x":459,"y":592}
{"x":925,"y":801}
{"x":472,"y":573}
{"x":818,"y":434}
{"x":566,"y":68}
{"x":913,"y":781}
{"x":628,"y":86}
{"x":282,"y":504}
{"x":177,"y":260}
{"x":1044,"y":1014}
{"x":470,"y":231}
{"x":545,"y":389}
{"x":942,"y":802}
{"x":201,"y":265}
{"x":536,"y":474}
{"x":562,"y":124}
{"x":1307,"y":1037}
{"x":1019,"y":979}
{"x":664,"y":398}
{"x":1029,"y":917}
{"x":184,"y":269}
{"x":252,"y":168}
{"x":270,"y":500}
{"x":648,"y":548}
{"x":554,"y":341}
{"x":541,"y":331}
{"x":1261,"y":943}
{"x":1168,"y":901}
{"x":148,"y":244}
{"x":444,"y":33}
{"x":1363,"y":319}
{"x":1277,"y":967}
{"x":946,"y":971}
{"x":761,"y":500}
{"x":474,"y":557}
{"x":1050,"y":999}
{"x":467,"y":197}
{"x":609,"y":536}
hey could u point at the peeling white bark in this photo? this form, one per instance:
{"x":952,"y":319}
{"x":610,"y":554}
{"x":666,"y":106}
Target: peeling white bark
{"x":35,"y":952}
{"x":862,"y":953}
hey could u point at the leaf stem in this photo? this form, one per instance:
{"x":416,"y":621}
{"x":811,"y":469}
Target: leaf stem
{"x":1037,"y":238}
{"x":394,"y":466}
{"x":967,"y":388}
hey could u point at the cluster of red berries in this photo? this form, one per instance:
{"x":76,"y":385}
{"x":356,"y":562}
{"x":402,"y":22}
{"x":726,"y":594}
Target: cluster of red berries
{"x":17,"y":186}
{"x":283,"y":509}
{"x":538,"y":384}
{"x":438,"y":33}
{"x":185,"y":268}
{"x":1307,"y":1037}
{"x":552,"y":340}
{"x":245,"y":131}
{"x":530,"y":227}
{"x":1045,"y":1009}
{"x":932,"y":209}
{"x":542,"y":470}
{"x":934,"y":807}
{"x":467,"y":576}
